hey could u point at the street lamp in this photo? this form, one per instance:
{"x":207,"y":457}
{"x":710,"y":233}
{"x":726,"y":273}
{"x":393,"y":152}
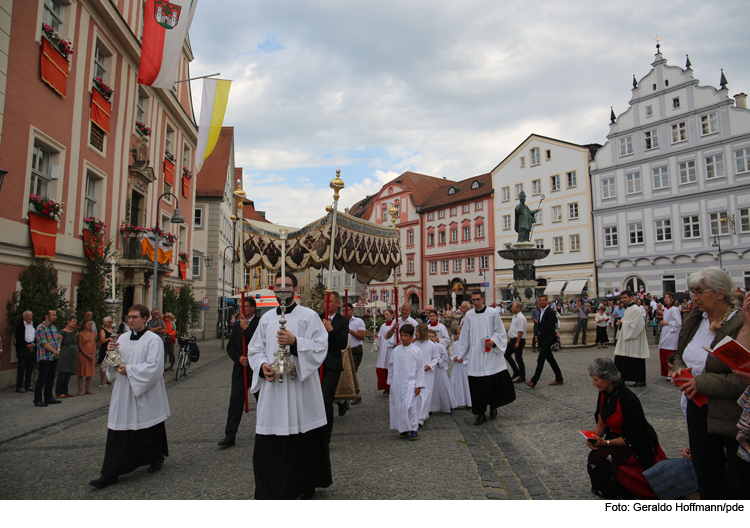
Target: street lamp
{"x":222,"y":303}
{"x":176,"y":219}
{"x":208,"y":261}
{"x":717,"y":243}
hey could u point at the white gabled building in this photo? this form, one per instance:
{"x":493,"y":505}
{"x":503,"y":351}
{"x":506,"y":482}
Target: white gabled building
{"x":671,"y":186}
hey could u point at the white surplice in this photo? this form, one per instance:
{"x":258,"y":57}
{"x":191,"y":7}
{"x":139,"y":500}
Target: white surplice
{"x":295,"y":405}
{"x":671,"y":333}
{"x":442,"y":391}
{"x":139,"y":398}
{"x":631,"y":339}
{"x":405,"y":374}
{"x":476,"y":328}
{"x":430,"y":358}
{"x":385,"y":346}
{"x":460,"y":380}
{"x":442,"y":334}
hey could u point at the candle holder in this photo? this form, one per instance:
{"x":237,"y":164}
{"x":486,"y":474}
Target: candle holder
{"x":283,"y":364}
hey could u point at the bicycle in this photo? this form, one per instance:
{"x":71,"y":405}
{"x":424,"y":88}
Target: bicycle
{"x":184,"y":356}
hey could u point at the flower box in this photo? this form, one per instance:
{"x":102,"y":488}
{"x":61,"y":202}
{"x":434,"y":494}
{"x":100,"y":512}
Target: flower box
{"x":54,"y":67}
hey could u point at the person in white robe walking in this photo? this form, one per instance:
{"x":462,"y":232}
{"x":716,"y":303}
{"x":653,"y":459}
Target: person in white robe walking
{"x":670,"y":324}
{"x":385,"y":347}
{"x":459,"y":377}
{"x":406,"y":378}
{"x":442,"y":392}
{"x":631,"y":350}
{"x":430,"y":359}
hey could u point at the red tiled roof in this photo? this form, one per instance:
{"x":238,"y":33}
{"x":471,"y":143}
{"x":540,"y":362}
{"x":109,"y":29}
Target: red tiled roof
{"x":362,"y":208}
{"x":421,"y":185}
{"x":249,"y":212}
{"x":213,"y":175}
{"x":463,"y":192}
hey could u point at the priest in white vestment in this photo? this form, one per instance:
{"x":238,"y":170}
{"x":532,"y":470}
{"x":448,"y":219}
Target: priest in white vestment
{"x":291,"y":456}
{"x":489,"y":381}
{"x":138,"y":405}
{"x":631,"y":350}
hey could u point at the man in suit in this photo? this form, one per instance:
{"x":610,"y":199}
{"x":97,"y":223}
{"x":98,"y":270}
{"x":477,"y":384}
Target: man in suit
{"x":245,"y":325}
{"x":26,"y":351}
{"x":338,"y":338}
{"x":547,"y":336}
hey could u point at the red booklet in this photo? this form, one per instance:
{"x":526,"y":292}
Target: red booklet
{"x":732,"y":354}
{"x":591,"y":435}
{"x":699,"y":399}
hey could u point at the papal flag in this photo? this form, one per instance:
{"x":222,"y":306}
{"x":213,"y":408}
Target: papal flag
{"x":213,"y":107}
{"x":165,"y":27}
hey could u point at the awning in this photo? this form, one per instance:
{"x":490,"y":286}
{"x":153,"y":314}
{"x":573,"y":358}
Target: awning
{"x":575,"y":287}
{"x":554,"y":287}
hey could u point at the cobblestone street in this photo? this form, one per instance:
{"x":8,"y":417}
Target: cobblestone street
{"x":532,"y":450}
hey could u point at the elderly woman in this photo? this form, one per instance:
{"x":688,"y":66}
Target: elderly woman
{"x":712,"y":428}
{"x":670,"y":323}
{"x":68,"y":361}
{"x":625,"y":443}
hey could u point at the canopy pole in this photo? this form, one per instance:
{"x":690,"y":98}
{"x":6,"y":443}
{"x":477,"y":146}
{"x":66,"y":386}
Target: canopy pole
{"x":393,"y":211}
{"x":240,"y":195}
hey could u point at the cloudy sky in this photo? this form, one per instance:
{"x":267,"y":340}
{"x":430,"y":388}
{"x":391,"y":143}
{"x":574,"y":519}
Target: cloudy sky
{"x":445,"y":88}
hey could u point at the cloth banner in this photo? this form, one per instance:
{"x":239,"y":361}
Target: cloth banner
{"x":147,"y":247}
{"x":43,"y":235}
{"x":369,"y":250}
{"x":186,"y":187}
{"x":183,"y":269}
{"x":213,"y":107}
{"x":348,"y":387}
{"x":92,"y":243}
{"x":101,"y":109}
{"x":169,"y":172}
{"x":54,"y":67}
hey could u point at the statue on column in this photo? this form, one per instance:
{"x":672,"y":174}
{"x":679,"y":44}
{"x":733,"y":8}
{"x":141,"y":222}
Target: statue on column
{"x":524,"y":219}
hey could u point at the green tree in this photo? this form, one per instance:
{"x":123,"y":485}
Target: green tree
{"x":95,"y":288}
{"x":170,"y":300}
{"x":39,"y":291}
{"x":184,"y":307}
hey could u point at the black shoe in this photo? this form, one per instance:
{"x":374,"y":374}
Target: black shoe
{"x":39,"y":404}
{"x":639,"y":384}
{"x":493,"y":413}
{"x":386,"y":392}
{"x":53,"y":400}
{"x":520,"y":379}
{"x":308,"y":495}
{"x":480,"y":419}
{"x":103,"y":482}
{"x":343,"y":407}
{"x":21,"y":390}
{"x":227,"y":442}
{"x":156,"y":466}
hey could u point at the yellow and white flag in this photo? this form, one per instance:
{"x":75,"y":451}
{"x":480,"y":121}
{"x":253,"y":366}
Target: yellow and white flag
{"x":213,"y":107}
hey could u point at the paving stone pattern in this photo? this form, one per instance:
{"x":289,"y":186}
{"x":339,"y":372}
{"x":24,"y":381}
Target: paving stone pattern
{"x":532,"y":450}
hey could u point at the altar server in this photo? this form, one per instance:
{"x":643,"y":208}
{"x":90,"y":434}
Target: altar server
{"x":406,"y":378}
{"x":442,"y":392}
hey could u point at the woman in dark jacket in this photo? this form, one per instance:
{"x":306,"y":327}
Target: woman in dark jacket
{"x":68,"y":362}
{"x":625,"y":443}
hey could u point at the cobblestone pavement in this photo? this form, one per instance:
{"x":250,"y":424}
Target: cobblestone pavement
{"x":532,"y":450}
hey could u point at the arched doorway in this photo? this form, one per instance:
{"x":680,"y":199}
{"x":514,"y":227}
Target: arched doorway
{"x":635,"y":284}
{"x":414,"y":301}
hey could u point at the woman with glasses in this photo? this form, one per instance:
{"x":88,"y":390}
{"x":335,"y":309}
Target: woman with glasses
{"x":712,"y":428}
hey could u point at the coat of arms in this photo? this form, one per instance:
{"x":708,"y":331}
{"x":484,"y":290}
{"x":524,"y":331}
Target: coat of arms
{"x":166,"y":14}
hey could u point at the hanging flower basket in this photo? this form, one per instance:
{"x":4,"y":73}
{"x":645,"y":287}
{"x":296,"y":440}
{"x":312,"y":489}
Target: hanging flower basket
{"x":44,"y":206}
{"x":63,"y":47}
{"x":143,"y":129}
{"x":103,"y":88}
{"x":130,"y":230}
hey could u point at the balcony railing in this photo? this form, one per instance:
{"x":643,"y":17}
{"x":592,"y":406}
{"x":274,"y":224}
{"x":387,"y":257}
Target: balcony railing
{"x":132,"y":250}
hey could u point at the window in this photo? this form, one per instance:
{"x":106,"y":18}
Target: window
{"x":506,"y":194}
{"x":651,"y":138}
{"x":186,"y":157}
{"x":557,"y":213}
{"x":634,"y":182}
{"x":719,"y":224}
{"x":663,"y":230}
{"x":557,"y":244}
{"x":506,"y":222}
{"x":679,"y":132}
{"x":575,"y":243}
{"x":385,"y":213}
{"x":535,"y":156}
{"x":519,"y":189}
{"x":90,"y":195}
{"x":452,"y":190}
{"x":474,"y":185}
{"x":444,"y":267}
{"x":548,"y":154}
{"x":536,"y":187}
{"x":649,"y":110}
{"x":410,"y":265}
{"x":196,"y":266}
{"x":744,"y":220}
{"x":53,"y":14}
{"x":469,"y":263}
{"x":539,"y":217}
{"x":742,"y":159}
{"x":572,"y":179}
{"x":430,"y":239}
{"x":687,"y":172}
{"x":433,"y":267}
{"x":100,"y":62}
{"x":661,"y":178}
{"x":168,"y":139}
{"x":610,"y":236}
{"x":635,"y":233}
{"x":554,"y":182}
{"x":479,"y":206}
{"x":456,"y":265}
{"x":691,"y":227}
{"x":480,"y":231}
{"x":198,"y":218}
{"x":41,"y":170}
{"x":573,"y":211}
{"x":96,"y":139}
{"x":410,"y":238}
{"x":431,"y":216}
{"x":676,"y":103}
{"x":466,"y":208}
{"x":626,"y":146}
{"x":483,"y":262}
{"x":523,"y":161}
{"x":715,"y":166}
{"x":454,"y":235}
{"x":709,"y":124}
{"x":140,"y":107}
{"x":608,"y":188}
{"x":467,"y":233}
{"x":441,"y":214}
{"x":441,"y":237}
{"x":453,"y":211}
{"x":539,"y":243}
